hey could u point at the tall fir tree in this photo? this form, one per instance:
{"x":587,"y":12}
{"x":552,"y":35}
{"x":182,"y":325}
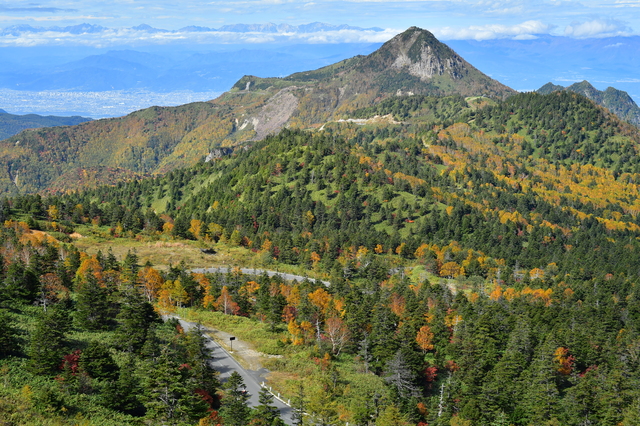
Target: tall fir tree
{"x":8,"y":335}
{"x":94,"y":310}
{"x":169,"y":394}
{"x":266,"y":414}
{"x":235,"y":410}
{"x":46,"y":345}
{"x":135,"y":317}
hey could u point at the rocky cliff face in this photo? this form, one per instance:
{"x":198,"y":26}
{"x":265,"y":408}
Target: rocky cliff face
{"x":420,"y":56}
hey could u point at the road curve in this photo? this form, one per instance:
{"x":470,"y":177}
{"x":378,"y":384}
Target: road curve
{"x":225,"y":364}
{"x":254,"y":271}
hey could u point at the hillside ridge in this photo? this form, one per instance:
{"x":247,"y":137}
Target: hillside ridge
{"x":617,"y":101}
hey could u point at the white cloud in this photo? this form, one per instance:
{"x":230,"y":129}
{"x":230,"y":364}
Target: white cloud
{"x":53,"y":18}
{"x":596,"y":28}
{"x":119,"y":36}
{"x":628,"y":80}
{"x":629,"y":3}
{"x":523,"y":31}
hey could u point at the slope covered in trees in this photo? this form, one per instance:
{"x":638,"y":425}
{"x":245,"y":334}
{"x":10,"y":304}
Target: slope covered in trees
{"x":81,"y":341}
{"x":482,"y":258}
{"x":617,"y":101}
{"x":10,"y":124}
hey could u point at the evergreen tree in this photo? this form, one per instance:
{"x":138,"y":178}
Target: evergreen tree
{"x":298,"y":406}
{"x":124,"y":393}
{"x":94,"y":310}
{"x":169,"y":393}
{"x":19,"y":285}
{"x":235,"y":410}
{"x":8,"y":335}
{"x":134,"y":319}
{"x":266,"y":414}
{"x":97,"y":362}
{"x":47,"y":341}
{"x":199,"y":358}
{"x":540,"y":392}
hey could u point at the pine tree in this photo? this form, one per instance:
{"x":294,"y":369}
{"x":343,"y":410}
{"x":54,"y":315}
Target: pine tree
{"x":235,"y":410}
{"x":266,"y":414}
{"x":298,"y":406}
{"x":94,"y":311}
{"x":18,"y":286}
{"x":123,"y":394}
{"x":199,"y":358}
{"x":46,"y":345}
{"x":169,"y":393}
{"x":8,"y":335}
{"x":540,"y":393}
{"x":134,"y":319}
{"x":97,"y":362}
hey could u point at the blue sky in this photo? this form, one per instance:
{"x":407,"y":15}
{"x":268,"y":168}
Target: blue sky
{"x":448,"y":20}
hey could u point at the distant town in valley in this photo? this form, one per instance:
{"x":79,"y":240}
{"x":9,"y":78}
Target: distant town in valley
{"x":95,"y":105}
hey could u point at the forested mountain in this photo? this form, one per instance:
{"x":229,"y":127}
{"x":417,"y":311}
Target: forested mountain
{"x":10,"y":124}
{"x":157,"y":140}
{"x":481,"y":254}
{"x":617,"y":101}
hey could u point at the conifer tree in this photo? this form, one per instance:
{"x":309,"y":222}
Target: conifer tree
{"x":8,"y":335}
{"x":199,"y":358}
{"x":94,"y":311}
{"x":97,"y":362}
{"x":298,"y":405}
{"x":169,"y":393}
{"x":123,"y":394}
{"x":235,"y":410}
{"x":18,"y":286}
{"x":47,"y":341}
{"x":266,"y":414}
{"x":134,"y":319}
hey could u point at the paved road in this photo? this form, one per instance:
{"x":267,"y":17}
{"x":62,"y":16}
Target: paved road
{"x":253,"y":271}
{"x":224,"y":363}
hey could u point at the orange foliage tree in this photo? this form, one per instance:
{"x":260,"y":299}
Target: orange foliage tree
{"x":226,"y":304}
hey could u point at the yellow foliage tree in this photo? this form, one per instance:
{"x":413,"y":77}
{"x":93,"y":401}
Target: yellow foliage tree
{"x":196,"y":228}
{"x":425,"y":338}
{"x":451,"y":270}
{"x":151,"y":282}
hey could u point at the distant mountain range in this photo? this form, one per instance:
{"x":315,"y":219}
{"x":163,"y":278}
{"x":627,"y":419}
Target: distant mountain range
{"x":171,"y":71}
{"x":313,"y":27}
{"x":525,"y":65}
{"x":11,"y":124}
{"x":157,"y":140}
{"x":616,"y":101}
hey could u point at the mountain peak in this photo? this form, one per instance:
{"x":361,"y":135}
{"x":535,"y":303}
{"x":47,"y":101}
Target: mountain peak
{"x":423,"y":56}
{"x":418,"y":61}
{"x":617,"y":101}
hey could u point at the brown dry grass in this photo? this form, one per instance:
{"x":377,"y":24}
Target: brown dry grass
{"x":165,"y":251}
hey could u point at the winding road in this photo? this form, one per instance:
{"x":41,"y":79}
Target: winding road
{"x":225,"y":364}
{"x":254,"y":271}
